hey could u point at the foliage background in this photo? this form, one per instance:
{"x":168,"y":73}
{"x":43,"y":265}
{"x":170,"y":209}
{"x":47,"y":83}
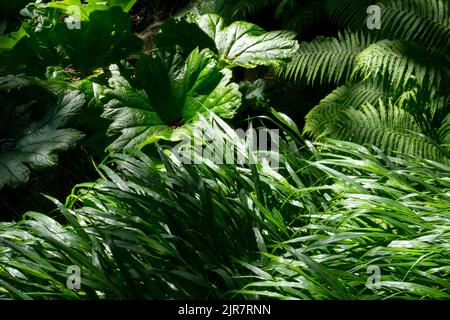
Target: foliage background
{"x":363,"y":178}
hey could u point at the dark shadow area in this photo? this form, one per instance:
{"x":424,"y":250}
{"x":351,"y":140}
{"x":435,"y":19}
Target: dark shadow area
{"x":73,"y":167}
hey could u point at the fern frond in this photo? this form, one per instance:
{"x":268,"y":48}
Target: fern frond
{"x":423,"y":21}
{"x":444,"y":133}
{"x":439,"y":107}
{"x":434,"y":10}
{"x":330,"y":107}
{"x":387,"y":127}
{"x":325,"y":59}
{"x":399,"y":61}
{"x":350,"y":14}
{"x":318,"y":120}
{"x":357,"y":94}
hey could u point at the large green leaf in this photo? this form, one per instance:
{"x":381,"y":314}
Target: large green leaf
{"x":27,"y":103}
{"x":36,"y":146}
{"x":35,"y":150}
{"x":52,"y":10}
{"x":131,"y":113}
{"x":175,"y":92}
{"x":399,"y":61}
{"x":8,"y":41}
{"x":92,"y":5}
{"x":247,"y":45}
{"x":103,"y":39}
{"x":240,"y":44}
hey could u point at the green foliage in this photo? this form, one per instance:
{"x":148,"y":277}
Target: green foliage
{"x":239,"y":44}
{"x":89,"y":6}
{"x":359,"y":93}
{"x":383,"y":212}
{"x":308,"y":231}
{"x":335,"y":60}
{"x":444,"y":132}
{"x":172,"y":221}
{"x":34,"y":133}
{"x":9,"y":10}
{"x":187,"y":35}
{"x":37,"y":151}
{"x":176,"y":91}
{"x":424,"y":22}
{"x":301,"y":16}
{"x":246,"y":45}
{"x":326,"y":59}
{"x":350,"y":14}
{"x":8,"y":41}
{"x":388,"y":127}
{"x":34,"y":125}
{"x":406,"y":60}
{"x":146,"y":233}
{"x":399,"y":61}
{"x":254,"y":94}
{"x":50,"y":42}
{"x":57,"y":45}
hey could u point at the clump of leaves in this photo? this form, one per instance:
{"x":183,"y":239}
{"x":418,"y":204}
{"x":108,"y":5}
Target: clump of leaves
{"x":405,"y":64}
{"x":309,"y":230}
{"x":382,"y":214}
{"x":187,"y":75}
{"x":103,"y":37}
{"x":32,"y":129}
{"x":174,"y":92}
{"x":240,"y":44}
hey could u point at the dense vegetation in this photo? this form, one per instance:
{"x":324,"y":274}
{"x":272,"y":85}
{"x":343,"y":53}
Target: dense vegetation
{"x":95,"y":97}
